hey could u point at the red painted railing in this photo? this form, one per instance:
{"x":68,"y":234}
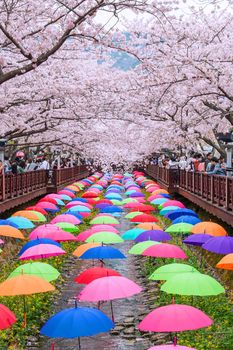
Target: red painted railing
{"x":62,"y":176}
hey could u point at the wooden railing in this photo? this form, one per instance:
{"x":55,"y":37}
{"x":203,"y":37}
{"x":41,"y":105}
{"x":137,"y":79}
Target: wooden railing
{"x":213,"y":189}
{"x":62,"y":176}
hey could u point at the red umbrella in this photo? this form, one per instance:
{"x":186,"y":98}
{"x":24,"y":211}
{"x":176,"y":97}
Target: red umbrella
{"x":173,"y":203}
{"x":93,"y":273}
{"x":68,"y":193}
{"x":7,"y":317}
{"x":144,"y":218}
{"x":101,"y":201}
{"x":143,"y":207}
{"x":91,"y":200}
{"x":90,"y":194}
{"x":38,"y":209}
{"x":47,"y":199}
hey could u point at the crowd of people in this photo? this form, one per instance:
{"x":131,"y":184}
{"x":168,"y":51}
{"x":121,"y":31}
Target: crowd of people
{"x":207,"y":164}
{"x":20,"y":165}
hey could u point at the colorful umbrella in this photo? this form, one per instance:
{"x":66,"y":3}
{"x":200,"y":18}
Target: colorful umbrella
{"x":219,"y":245}
{"x":105,"y":238}
{"x":226,"y":263}
{"x":180,"y":212}
{"x":171,"y":347}
{"x":76,"y":322}
{"x":149,"y":226}
{"x":165,"y":250}
{"x":66,"y":218}
{"x":36,"y":242}
{"x":31,"y":215}
{"x":66,"y":226}
{"x":9,"y":231}
{"x":84,"y":247}
{"x":173,"y":203}
{"x":192,"y":283}
{"x":168,"y":271}
{"x":132,"y":233}
{"x":93,"y":273}
{"x":7,"y":317}
{"x":20,"y":222}
{"x":139,"y":248}
{"x":188,"y":219}
{"x":153,"y":235}
{"x":210,"y":228}
{"x":197,"y":239}
{"x":133,"y":214}
{"x":98,"y":228}
{"x":48,"y":206}
{"x":103,"y":252}
{"x":42,"y":270}
{"x":174,"y":318}
{"x":144,"y":218}
{"x":37,"y":209}
{"x":180,"y":228}
{"x":104,"y":220}
{"x":167,"y":210}
{"x":41,"y":251}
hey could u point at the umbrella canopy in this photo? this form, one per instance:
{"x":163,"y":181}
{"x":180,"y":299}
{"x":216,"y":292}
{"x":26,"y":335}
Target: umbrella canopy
{"x":109,"y":288}
{"x":149,"y":226}
{"x":20,"y":222}
{"x":180,"y":228}
{"x":37,"y":209}
{"x":153,"y":235}
{"x":100,"y":220}
{"x":25,"y":285}
{"x":175,"y":318}
{"x":105,"y":237}
{"x":133,"y":214}
{"x":41,"y":251}
{"x":226,"y":263}
{"x":67,"y":193}
{"x":111,"y":209}
{"x":80,"y":250}
{"x":77,"y":322}
{"x":31,"y":215}
{"x":139,"y":248}
{"x":165,"y":250}
{"x":168,"y":209}
{"x":66,"y":226}
{"x":44,"y":230}
{"x":158,"y":201}
{"x":93,"y":273}
{"x":173,"y":203}
{"x":167,"y":271}
{"x":192,"y":283}
{"x":171,"y":347}
{"x":98,"y":228}
{"x":132,"y":233}
{"x":210,"y":228}
{"x":180,"y":212}
{"x":102,"y":252}
{"x":42,"y":270}
{"x":48,"y":206}
{"x":144,"y":218}
{"x":66,"y":218}
{"x":219,"y":245}
{"x":36,"y":242}
{"x":79,"y":208}
{"x":188,"y":219}
{"x":197,"y":239}
{"x":9,"y":231}
{"x":7,"y":317}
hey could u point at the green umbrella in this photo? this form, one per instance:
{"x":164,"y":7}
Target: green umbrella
{"x":139,"y":248}
{"x":116,"y":202}
{"x":101,"y":220}
{"x":179,"y":228}
{"x":41,"y":217}
{"x":131,"y":234}
{"x":192,"y":283}
{"x":129,"y":200}
{"x":132,"y":214}
{"x":104,"y":237}
{"x":167,"y":271}
{"x":81,"y":186}
{"x":66,"y":226}
{"x":42,"y":270}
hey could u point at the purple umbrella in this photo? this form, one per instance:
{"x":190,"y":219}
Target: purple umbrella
{"x":103,"y":205}
{"x":219,"y":245}
{"x":197,"y":239}
{"x":153,"y":235}
{"x":137,"y":194}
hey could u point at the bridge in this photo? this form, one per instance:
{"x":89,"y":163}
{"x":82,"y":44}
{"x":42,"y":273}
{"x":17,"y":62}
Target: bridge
{"x":213,"y":193}
{"x":21,"y":188}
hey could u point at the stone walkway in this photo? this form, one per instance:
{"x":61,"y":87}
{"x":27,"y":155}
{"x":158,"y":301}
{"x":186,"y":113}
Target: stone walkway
{"x":128,"y":312}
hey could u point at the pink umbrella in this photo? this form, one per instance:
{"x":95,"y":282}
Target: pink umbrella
{"x":165,"y":250}
{"x":173,"y":203}
{"x":98,"y":228}
{"x":171,"y":347}
{"x":66,"y":218}
{"x":109,"y":288}
{"x":47,"y":205}
{"x":54,"y":195}
{"x":68,"y":193}
{"x":84,"y":235}
{"x":41,"y":251}
{"x":1,"y":241}
{"x":174,"y":318}
{"x":154,"y":196}
{"x":45,"y":230}
{"x":74,"y":203}
{"x":60,"y":236}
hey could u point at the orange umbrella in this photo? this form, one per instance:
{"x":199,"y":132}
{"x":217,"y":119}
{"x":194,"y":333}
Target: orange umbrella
{"x":209,"y":228}
{"x":25,"y":285}
{"x":149,"y":226}
{"x":28,"y":214}
{"x":9,"y":231}
{"x":84,"y":247}
{"x":160,"y":191}
{"x":226,"y":263}
{"x":73,"y":188}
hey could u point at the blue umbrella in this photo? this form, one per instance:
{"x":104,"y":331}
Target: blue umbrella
{"x":59,"y":201}
{"x":65,"y":197}
{"x":6,"y":222}
{"x":103,"y":205}
{"x":137,"y":194}
{"x":102,"y":252}
{"x":153,"y":235}
{"x":111,"y":209}
{"x":77,"y":322}
{"x":188,"y":219}
{"x":165,"y":195}
{"x":180,"y":212}
{"x":84,"y":200}
{"x":75,"y":213}
{"x":20,"y":222}
{"x":80,"y":208}
{"x":36,"y":242}
{"x":197,"y":239}
{"x":113,"y":196}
